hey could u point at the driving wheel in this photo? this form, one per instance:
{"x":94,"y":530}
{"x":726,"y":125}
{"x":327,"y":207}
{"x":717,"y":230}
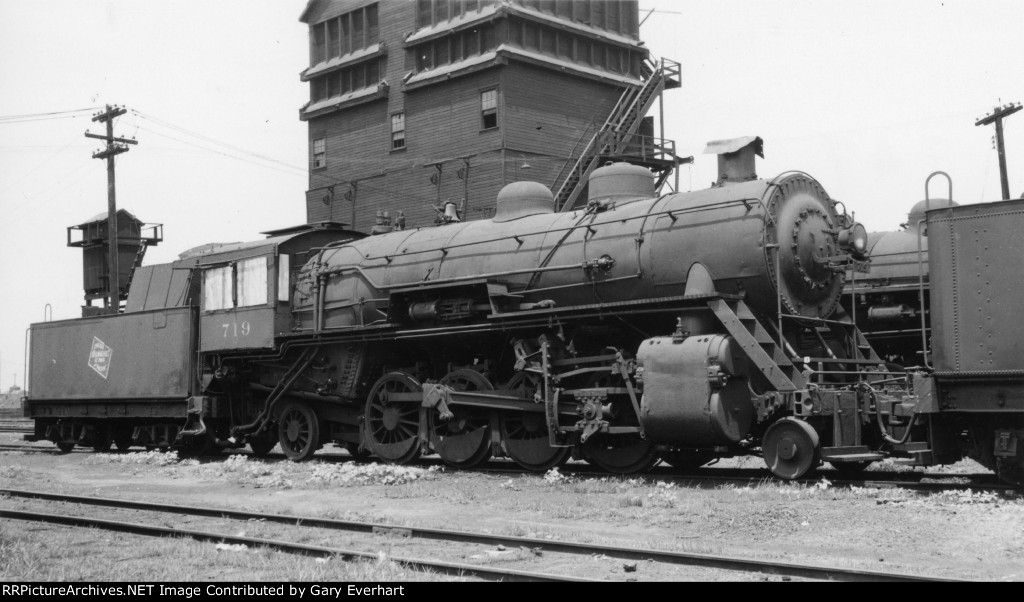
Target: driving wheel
{"x":463,"y":441}
{"x":524,"y":435}
{"x":391,"y":424}
{"x":620,"y":453}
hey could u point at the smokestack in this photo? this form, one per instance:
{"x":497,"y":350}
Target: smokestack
{"x":736,"y":158}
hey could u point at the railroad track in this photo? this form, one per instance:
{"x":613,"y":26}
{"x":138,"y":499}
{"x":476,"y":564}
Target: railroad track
{"x":874,"y":479}
{"x":12,"y":421}
{"x":28,"y":449}
{"x":709,"y":476}
{"x":538,"y":546}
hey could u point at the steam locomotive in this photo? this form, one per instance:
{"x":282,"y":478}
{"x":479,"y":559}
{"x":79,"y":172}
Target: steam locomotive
{"x":638,"y":328}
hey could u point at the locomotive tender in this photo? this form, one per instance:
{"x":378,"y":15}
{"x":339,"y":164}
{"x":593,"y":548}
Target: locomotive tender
{"x":683,"y":327}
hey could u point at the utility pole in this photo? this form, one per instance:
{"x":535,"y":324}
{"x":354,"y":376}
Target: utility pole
{"x":997,"y":116}
{"x":115,"y":146}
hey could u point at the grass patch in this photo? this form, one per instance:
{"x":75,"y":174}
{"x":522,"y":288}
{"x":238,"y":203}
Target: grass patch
{"x":631,"y":501}
{"x":29,"y":552}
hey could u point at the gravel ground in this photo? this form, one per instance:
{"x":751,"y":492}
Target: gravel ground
{"x":977,"y":536}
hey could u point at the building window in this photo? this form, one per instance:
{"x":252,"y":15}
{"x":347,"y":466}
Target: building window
{"x":489,"y":109}
{"x":398,"y":131}
{"x":319,"y":153}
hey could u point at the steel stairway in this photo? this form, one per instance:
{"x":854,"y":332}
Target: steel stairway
{"x":616,"y":133}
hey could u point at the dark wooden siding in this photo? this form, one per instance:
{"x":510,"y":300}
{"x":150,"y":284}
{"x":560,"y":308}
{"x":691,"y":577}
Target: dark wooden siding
{"x":543,"y":114}
{"x":551,"y":117}
{"x":442,"y":125}
{"x":545,"y":119}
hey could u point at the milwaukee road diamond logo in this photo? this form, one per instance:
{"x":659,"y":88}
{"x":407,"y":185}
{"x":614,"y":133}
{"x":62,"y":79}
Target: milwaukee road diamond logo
{"x":99,"y":357}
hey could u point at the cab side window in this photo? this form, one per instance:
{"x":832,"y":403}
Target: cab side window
{"x":244,"y":283}
{"x":218,"y":288}
{"x":283,"y":277}
{"x":252,"y":281}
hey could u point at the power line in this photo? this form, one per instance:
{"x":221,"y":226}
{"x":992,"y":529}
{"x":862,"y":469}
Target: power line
{"x":27,"y":117}
{"x":158,"y":121}
{"x":50,"y":158}
{"x":300,"y":170}
{"x":11,"y":221}
{"x":85,"y":110}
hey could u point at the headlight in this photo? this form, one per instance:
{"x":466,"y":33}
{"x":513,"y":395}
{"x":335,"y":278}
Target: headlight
{"x":854,"y":240}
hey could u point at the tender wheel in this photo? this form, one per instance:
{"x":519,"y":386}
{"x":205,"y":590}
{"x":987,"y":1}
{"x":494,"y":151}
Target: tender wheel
{"x":524,"y":435}
{"x":123,"y":438}
{"x":261,"y":446}
{"x":391,"y":425}
{"x":687,"y":459}
{"x":623,"y":453}
{"x":850,"y":469}
{"x":791,"y":448}
{"x":298,"y":432}
{"x":67,"y":437}
{"x":465,"y":440}
{"x":103,"y":439}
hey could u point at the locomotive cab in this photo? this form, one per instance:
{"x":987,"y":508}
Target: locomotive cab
{"x":246,"y":287}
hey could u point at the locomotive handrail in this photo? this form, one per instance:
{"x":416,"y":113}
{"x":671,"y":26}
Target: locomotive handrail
{"x":385,"y":330}
{"x":518,"y":237}
{"x":920,"y":295}
{"x":586,"y":283}
{"x":24,"y":369}
{"x":419,"y":284}
{"x":920,"y":258}
{"x":835,"y":360}
{"x":819,"y":320}
{"x":320,"y":274}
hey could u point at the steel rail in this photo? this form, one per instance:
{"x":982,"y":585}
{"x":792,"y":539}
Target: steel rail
{"x":29,"y":449}
{"x":876,"y":479}
{"x":450,"y":568}
{"x":737,"y":476}
{"x":677,"y":558}
{"x":838,"y":483}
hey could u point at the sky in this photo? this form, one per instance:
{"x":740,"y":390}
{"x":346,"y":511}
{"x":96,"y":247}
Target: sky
{"x":868,"y":96}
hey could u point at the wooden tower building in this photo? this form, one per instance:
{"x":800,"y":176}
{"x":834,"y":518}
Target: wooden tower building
{"x":417,"y":104}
